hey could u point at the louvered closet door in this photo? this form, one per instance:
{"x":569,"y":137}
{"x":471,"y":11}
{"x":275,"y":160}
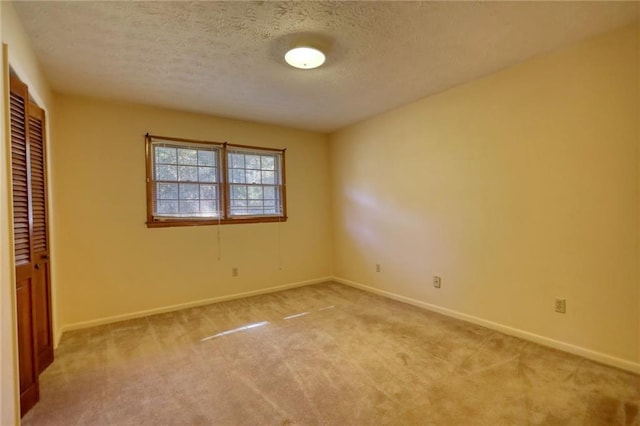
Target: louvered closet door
{"x":41,"y":286}
{"x":23,"y":237}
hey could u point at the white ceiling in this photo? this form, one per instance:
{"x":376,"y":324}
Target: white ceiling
{"x":226,"y":58}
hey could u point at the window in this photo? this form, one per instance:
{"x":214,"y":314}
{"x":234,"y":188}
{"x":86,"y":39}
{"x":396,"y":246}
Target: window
{"x":206,"y":183}
{"x":254,"y":180}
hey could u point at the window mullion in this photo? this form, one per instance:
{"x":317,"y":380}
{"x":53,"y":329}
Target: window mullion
{"x":224,"y":198}
{"x":282,"y":185}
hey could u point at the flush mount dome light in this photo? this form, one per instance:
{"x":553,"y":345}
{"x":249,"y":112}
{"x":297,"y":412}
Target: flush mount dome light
{"x":304,"y":57}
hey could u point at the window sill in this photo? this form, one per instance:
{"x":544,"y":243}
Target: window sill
{"x":254,"y":219}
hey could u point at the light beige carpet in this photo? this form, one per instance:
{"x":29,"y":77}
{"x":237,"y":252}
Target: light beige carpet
{"x":322,"y":355}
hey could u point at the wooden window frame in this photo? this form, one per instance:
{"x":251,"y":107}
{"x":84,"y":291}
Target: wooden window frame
{"x":224,"y":196}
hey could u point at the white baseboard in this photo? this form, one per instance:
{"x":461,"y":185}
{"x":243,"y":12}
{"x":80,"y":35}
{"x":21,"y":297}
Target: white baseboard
{"x":623,"y":364}
{"x":170,"y":308}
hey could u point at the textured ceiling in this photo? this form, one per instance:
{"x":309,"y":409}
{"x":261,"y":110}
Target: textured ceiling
{"x":226,"y":58}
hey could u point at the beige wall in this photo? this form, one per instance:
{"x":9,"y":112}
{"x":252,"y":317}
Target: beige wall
{"x":517,"y":188}
{"x":109,"y":263}
{"x":21,"y":57}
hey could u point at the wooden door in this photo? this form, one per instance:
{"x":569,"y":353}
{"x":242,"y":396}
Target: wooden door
{"x":23,"y":244}
{"x":41,"y":282}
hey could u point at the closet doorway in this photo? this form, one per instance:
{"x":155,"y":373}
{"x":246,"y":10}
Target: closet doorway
{"x":31,"y":240}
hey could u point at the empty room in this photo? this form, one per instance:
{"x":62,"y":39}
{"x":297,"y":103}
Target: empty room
{"x":320,"y":213}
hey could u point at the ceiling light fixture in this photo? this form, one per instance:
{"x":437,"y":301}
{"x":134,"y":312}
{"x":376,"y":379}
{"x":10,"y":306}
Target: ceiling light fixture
{"x":305,"y":57}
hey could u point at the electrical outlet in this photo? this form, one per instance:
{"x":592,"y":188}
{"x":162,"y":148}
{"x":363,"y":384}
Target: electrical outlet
{"x":234,"y":272}
{"x":378,"y":267}
{"x":437,"y":281}
{"x":561,"y":306}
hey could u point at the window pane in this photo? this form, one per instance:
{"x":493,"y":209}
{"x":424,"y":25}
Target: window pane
{"x":206,"y":158}
{"x":166,"y":172}
{"x":255,"y":193}
{"x":268,"y":162}
{"x":238,"y":192}
{"x":208,"y":206}
{"x":166,"y":155}
{"x":268,"y":177}
{"x":206,"y":174}
{"x":238,"y":203}
{"x":252,"y":162}
{"x":167,"y":207}
{"x":238,"y":211}
{"x":253,"y":176}
{"x":189,"y":191}
{"x":236,"y":161}
{"x":167,"y":190}
{"x":255,"y":203}
{"x":187,"y":156}
{"x":236,"y":176}
{"x":188,"y":173}
{"x":208,"y":192}
{"x":269,"y":203}
{"x":269,"y":192}
{"x":188,"y":206}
